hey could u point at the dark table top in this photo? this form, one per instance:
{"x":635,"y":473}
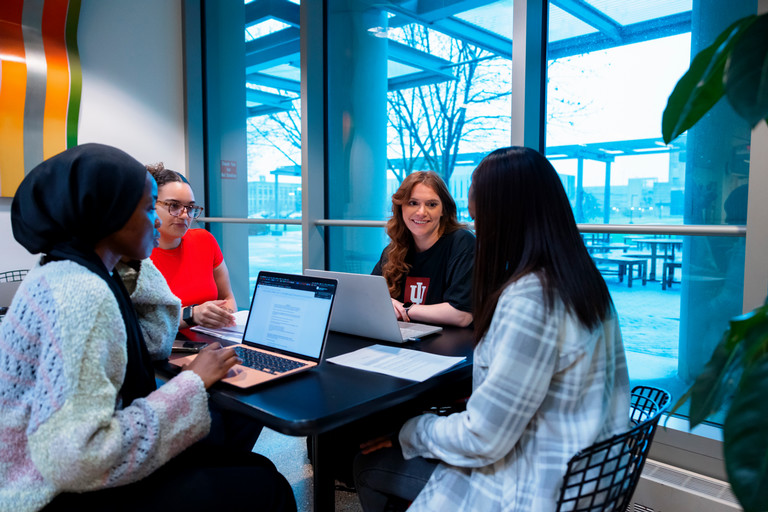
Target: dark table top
{"x":329,"y":396}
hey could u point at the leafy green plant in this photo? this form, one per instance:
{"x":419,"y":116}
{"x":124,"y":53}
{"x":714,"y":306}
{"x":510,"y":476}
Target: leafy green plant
{"x":735,"y":66}
{"x":736,"y":377}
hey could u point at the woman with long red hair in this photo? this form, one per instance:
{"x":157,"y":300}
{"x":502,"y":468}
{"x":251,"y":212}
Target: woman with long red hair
{"x":428,"y":262}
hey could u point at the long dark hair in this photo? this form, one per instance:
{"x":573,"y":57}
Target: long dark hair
{"x":400,"y":237}
{"x":524,"y":223}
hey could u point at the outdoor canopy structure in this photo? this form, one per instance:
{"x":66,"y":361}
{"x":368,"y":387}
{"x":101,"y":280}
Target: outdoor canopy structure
{"x":576,"y":26}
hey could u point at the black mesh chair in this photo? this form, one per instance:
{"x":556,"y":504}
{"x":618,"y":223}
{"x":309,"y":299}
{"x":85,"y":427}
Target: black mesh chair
{"x":603,"y":477}
{"x":12,"y":276}
{"x":9,"y":282}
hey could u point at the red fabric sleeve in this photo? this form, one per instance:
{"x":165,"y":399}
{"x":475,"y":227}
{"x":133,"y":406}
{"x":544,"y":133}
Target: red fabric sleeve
{"x":189,"y":267}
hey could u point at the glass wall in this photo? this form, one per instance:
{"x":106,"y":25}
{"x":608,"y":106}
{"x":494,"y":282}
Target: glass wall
{"x":254,"y":134}
{"x":273,"y":102}
{"x":412,"y":86}
{"x":609,"y":76}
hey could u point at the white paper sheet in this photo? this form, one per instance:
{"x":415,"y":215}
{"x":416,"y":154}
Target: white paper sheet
{"x":232,"y":333}
{"x":398,"y":362}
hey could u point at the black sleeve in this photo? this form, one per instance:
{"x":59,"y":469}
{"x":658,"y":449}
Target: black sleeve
{"x":461,"y":263}
{"x":377,"y":269}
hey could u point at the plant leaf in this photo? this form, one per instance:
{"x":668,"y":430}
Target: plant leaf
{"x":751,"y":331}
{"x":680,"y":402}
{"x":717,"y":381}
{"x":701,"y":87}
{"x":745,"y":443}
{"x":745,"y":75}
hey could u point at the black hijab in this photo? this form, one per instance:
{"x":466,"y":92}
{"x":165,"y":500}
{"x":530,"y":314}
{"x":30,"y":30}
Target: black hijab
{"x":65,"y":206}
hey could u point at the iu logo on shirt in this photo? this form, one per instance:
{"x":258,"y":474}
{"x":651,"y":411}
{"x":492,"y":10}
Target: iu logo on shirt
{"x":416,"y":289}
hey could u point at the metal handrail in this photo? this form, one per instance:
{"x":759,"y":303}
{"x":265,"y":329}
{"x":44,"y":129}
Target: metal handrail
{"x":665,"y":229}
{"x":629,"y":229}
{"x":240,"y":220}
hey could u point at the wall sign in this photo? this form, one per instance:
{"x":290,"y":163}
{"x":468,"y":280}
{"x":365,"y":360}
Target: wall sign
{"x":229,"y":169}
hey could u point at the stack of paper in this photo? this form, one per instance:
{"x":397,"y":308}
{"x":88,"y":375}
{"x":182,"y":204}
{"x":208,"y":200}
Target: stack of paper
{"x":398,"y":362}
{"x":233,"y":333}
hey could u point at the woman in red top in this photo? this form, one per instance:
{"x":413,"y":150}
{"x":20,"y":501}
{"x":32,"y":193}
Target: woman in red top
{"x":190,"y":259}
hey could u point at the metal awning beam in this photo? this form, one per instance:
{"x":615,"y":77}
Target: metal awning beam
{"x":434,"y":10}
{"x":267,"y":98}
{"x":264,"y":110}
{"x":580,"y":9}
{"x":280,"y":47}
{"x":637,"y":32}
{"x":458,"y":29}
{"x":276,"y":82}
{"x":416,"y":80}
{"x":281,"y":10}
{"x":405,"y":54}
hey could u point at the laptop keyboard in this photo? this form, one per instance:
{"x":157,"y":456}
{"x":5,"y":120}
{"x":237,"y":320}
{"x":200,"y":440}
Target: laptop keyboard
{"x":266,"y":362}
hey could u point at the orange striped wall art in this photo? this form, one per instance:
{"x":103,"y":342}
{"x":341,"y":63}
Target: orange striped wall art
{"x":40,"y":84}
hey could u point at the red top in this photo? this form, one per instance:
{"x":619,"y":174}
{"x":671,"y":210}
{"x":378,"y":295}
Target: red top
{"x":189,"y":267}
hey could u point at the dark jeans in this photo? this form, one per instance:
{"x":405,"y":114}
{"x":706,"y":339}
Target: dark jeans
{"x":231,"y":430}
{"x":201,"y":478}
{"x":345,"y":441}
{"x":385,"y":481}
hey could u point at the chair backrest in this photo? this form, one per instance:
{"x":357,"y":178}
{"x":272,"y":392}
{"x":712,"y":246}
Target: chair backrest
{"x":12,"y":276}
{"x":603,"y":477}
{"x":9,"y":282}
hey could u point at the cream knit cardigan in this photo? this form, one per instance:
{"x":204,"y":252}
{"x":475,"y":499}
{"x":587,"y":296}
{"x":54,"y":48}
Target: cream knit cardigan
{"x":62,"y":364}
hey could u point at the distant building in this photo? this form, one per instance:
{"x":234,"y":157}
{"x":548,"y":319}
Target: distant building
{"x":275,"y":199}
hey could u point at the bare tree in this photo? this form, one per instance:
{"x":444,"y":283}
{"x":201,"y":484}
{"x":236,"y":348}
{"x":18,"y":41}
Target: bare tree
{"x":564,"y":109}
{"x":431,"y":123}
{"x":279,"y":130}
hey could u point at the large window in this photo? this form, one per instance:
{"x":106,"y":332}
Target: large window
{"x":610,"y":70}
{"x":273,"y":100}
{"x":411,"y":86}
{"x":406,"y":86}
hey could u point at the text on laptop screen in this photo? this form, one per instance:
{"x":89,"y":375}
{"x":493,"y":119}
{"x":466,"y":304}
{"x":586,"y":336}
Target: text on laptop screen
{"x":289,"y":315}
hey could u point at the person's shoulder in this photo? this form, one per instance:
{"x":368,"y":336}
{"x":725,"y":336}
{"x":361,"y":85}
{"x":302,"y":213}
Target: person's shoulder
{"x":67,"y":281}
{"x":465,"y":234}
{"x":62,"y":270}
{"x":461,"y":238}
{"x":200,"y":235}
{"x":385,"y":254}
{"x":528,"y":286}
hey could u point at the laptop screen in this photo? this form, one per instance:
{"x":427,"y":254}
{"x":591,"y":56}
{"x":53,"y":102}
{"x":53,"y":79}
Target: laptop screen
{"x":290,"y":313}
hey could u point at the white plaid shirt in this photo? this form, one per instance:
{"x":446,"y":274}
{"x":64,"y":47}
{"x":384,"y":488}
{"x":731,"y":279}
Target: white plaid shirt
{"x":544,"y":387}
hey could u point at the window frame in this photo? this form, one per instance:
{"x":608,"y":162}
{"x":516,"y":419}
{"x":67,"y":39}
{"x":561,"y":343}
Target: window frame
{"x":699,"y":451}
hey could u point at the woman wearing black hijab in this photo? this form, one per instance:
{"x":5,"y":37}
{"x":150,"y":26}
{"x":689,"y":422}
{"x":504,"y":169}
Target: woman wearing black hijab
{"x":82,"y":424}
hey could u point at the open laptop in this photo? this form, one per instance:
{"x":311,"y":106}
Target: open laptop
{"x":364,"y":308}
{"x":286,"y":330}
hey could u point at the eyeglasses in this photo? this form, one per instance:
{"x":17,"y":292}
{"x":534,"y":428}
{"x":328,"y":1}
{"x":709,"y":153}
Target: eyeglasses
{"x":175,"y":209}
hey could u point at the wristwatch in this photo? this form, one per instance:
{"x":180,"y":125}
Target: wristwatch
{"x":407,"y":306}
{"x":186,"y":315}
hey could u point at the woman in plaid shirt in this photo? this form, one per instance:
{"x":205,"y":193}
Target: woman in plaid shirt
{"x":549,"y":376}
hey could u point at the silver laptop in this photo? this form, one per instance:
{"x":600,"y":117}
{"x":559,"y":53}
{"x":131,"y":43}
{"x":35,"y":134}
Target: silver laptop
{"x":363,"y":307}
{"x":286,"y":330}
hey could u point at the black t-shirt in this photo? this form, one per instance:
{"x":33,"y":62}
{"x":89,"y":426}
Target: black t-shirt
{"x":442,"y":273}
